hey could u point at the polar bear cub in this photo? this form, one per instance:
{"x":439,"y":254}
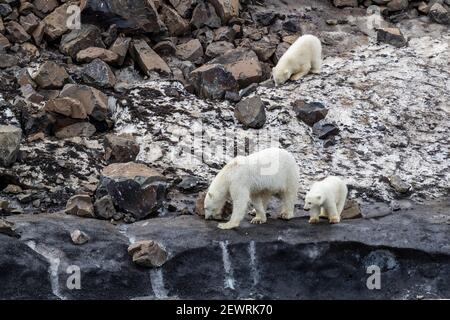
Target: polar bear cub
{"x":254,"y":178}
{"x":302,"y":57}
{"x":326,"y":198}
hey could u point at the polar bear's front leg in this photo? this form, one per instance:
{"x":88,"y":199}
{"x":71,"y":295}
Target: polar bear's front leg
{"x":314,"y":215}
{"x":287,"y":206}
{"x":302,"y":72}
{"x":240,"y":203}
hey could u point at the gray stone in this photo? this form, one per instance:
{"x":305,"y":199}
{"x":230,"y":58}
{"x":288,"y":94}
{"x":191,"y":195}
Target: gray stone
{"x":98,"y":74}
{"x":324,"y":130}
{"x":10,"y":137}
{"x":251,"y":112}
{"x":309,"y":113}
{"x":81,"y":206}
{"x":79,"y":237}
{"x":148,"y":253}
{"x":392,"y":36}
{"x":212,"y":81}
{"x":104,"y":207}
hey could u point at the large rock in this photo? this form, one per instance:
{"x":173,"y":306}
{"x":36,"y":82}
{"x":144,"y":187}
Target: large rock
{"x":56,"y":22}
{"x":251,"y":112}
{"x":176,"y":24}
{"x":397,"y":5}
{"x":104,"y":207}
{"x":205,"y":15}
{"x":80,"y":205}
{"x":324,"y":130}
{"x":243,"y":65}
{"x":8,"y":228}
{"x":184,"y":7}
{"x":134,"y":188}
{"x":309,"y":113}
{"x":345,"y":3}
{"x":99,"y":74}
{"x":80,"y":39}
{"x":7,"y":60}
{"x":120,"y":47}
{"x":226,"y":9}
{"x":191,"y":51}
{"x":212,"y":81}
{"x":29,"y":22}
{"x":93,"y":101}
{"x":10,"y":137}
{"x":147,"y":59}
{"x":121,"y":148}
{"x":218,"y":48}
{"x":92,"y":53}
{"x":66,"y":106}
{"x":16,"y":32}
{"x":392,"y":36}
{"x":45,"y":6}
{"x":77,"y":129}
{"x":127,"y":15}
{"x":50,"y":76}
{"x":439,"y":14}
{"x":4,"y":43}
{"x":79,"y":237}
{"x":148,"y":253}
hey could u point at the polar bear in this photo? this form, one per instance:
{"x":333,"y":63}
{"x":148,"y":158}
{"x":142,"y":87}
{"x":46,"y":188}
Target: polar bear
{"x":254,"y":178}
{"x":326,"y":198}
{"x":302,"y":57}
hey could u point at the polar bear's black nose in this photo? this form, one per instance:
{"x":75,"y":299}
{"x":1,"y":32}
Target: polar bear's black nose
{"x":306,"y":209}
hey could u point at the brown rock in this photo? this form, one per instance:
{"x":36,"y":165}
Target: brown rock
{"x":392,"y":36}
{"x":263,"y":49}
{"x":397,"y":5}
{"x":80,"y":205}
{"x":92,"y":53}
{"x":79,"y":237}
{"x":7,"y":227}
{"x":66,"y":106}
{"x":2,"y":26}
{"x":251,"y":112}
{"x":94,"y":101}
{"x":439,"y":14}
{"x":78,"y":129}
{"x":50,"y":76}
{"x":218,"y":48}
{"x":120,"y":47}
{"x":56,"y":22}
{"x":205,"y":15}
{"x":191,"y":51}
{"x":121,"y":148}
{"x":165,"y":47}
{"x":212,"y":81}
{"x":147,"y":59}
{"x":4,"y":43}
{"x":351,"y":210}
{"x":16,"y":32}
{"x":183,"y":7}
{"x":38,"y":33}
{"x":45,"y":6}
{"x":80,"y":39}
{"x":29,"y":22}
{"x":175,"y":23}
{"x":226,"y":33}
{"x":148,"y":253}
{"x":226,"y":9}
{"x":345,"y":3}
{"x":99,"y":74}
{"x":12,"y":189}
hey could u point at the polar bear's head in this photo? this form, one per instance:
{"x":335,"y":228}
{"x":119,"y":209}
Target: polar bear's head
{"x":280,"y":75}
{"x":313,"y":199}
{"x":213,"y":206}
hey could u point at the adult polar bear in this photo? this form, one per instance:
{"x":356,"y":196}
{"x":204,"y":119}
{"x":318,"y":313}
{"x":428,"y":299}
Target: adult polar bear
{"x":326,"y":198}
{"x":254,"y":178}
{"x":302,"y":57}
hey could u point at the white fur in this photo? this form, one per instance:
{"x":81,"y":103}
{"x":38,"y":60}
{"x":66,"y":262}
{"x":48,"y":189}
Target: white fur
{"x":326,"y":198}
{"x":254,"y":178}
{"x":302,"y":57}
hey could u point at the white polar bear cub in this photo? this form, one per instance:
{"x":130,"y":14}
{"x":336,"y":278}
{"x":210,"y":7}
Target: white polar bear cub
{"x":326,"y":198}
{"x":303,"y":56}
{"x":254,"y":178}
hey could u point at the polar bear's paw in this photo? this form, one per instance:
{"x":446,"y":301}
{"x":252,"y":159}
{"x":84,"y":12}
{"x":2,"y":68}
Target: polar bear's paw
{"x":286,"y":216}
{"x":227,"y":225}
{"x":314,"y":220}
{"x":334,"y":220}
{"x":258,"y":220}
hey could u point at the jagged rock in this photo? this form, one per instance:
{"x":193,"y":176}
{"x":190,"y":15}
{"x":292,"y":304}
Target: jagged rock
{"x":345,"y":3}
{"x":38,"y":33}
{"x":45,"y":6}
{"x":80,"y":205}
{"x":218,"y":48}
{"x":121,"y":148}
{"x":281,"y":49}
{"x":4,"y":43}
{"x":12,"y":189}
{"x":263,"y":49}
{"x":266,"y":17}
{"x":104,"y":207}
{"x":205,"y":15}
{"x":392,"y":36}
{"x":10,"y":137}
{"x":128,"y":15}
{"x":189,"y":184}
{"x":94,"y":101}
{"x":29,"y":22}
{"x":148,"y":253}
{"x":56,"y":22}
{"x":226,"y":9}
{"x":184,"y":7}
{"x":120,"y":47}
{"x":99,"y":74}
{"x":67,"y":106}
{"x":2,"y":26}
{"x":80,"y":39}
{"x":165,"y":47}
{"x":205,"y":35}
{"x":8,"y":228}
{"x":8,"y":60}
{"x":92,"y":53}
{"x":351,"y":210}
{"x":39,"y":122}
{"x":398,"y":184}
{"x":176,"y":24}
{"x":439,"y":14}
{"x":16,"y":32}
{"x":226,"y":33}
{"x":251,"y":112}
{"x":243,"y":65}
{"x":212,"y":81}
{"x":324,"y":130}
{"x":147,"y":59}
{"x":50,"y":76}
{"x":134,"y":188}
{"x":78,"y":129}
{"x":191,"y":51}
{"x":5,"y":9}
{"x":309,"y":113}
{"x":79,"y":237}
{"x":397,"y":5}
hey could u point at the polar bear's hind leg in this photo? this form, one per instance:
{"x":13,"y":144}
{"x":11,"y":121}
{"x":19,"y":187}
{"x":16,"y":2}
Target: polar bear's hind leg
{"x":333,"y":215}
{"x":287,"y":206}
{"x":303,"y":72}
{"x":260,"y":206}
